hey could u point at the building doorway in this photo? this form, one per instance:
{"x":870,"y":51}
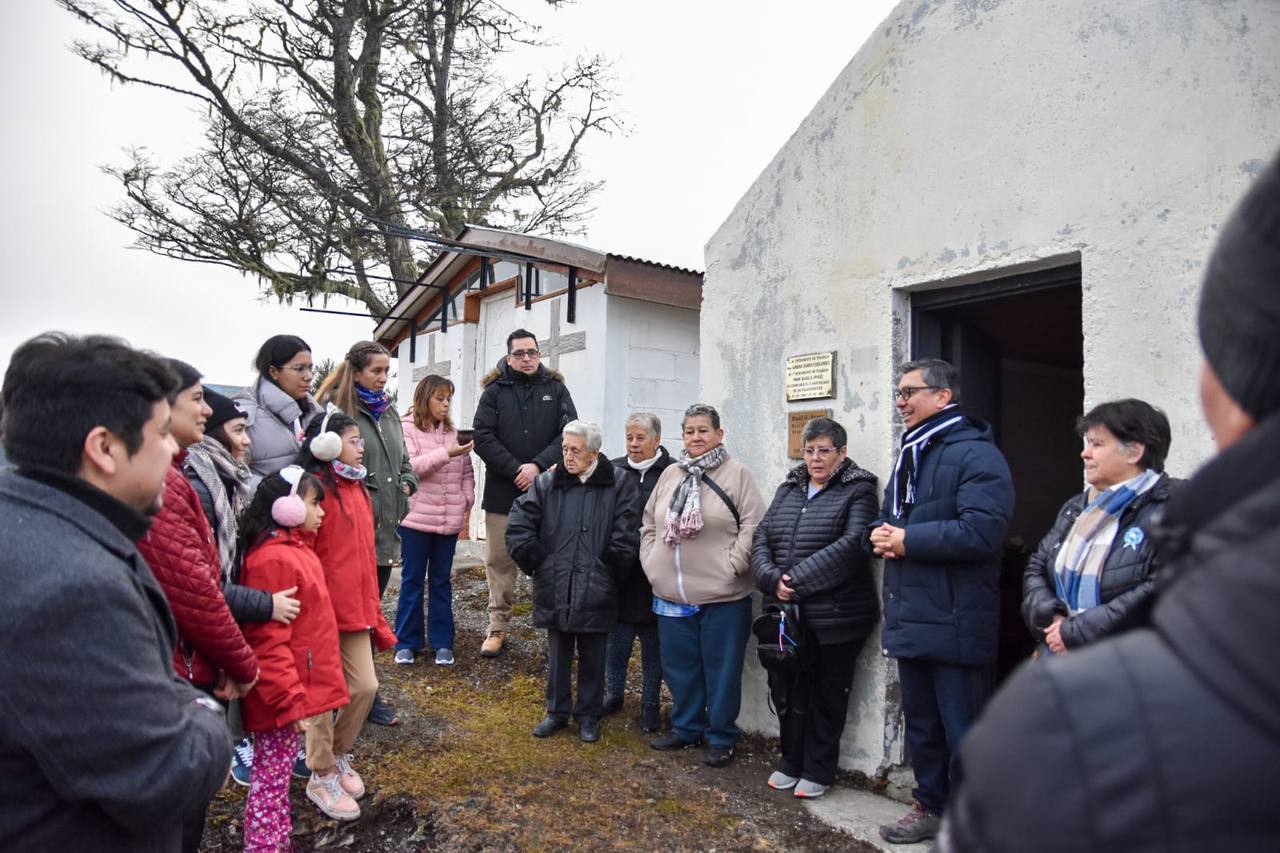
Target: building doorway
{"x":1018,"y":344}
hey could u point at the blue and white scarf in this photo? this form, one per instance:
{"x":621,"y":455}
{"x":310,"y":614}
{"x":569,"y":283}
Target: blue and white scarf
{"x":906,"y":471}
{"x":1077,"y":570}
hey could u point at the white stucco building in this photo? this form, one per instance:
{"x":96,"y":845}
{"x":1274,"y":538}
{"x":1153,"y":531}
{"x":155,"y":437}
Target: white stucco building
{"x":1028,"y":188}
{"x":625,"y":335}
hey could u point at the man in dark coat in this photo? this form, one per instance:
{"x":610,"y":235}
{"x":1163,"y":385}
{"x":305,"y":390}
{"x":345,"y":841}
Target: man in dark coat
{"x":946,"y":508}
{"x":1167,"y":738}
{"x":576,"y":531}
{"x":517,"y":432}
{"x":102,"y":747}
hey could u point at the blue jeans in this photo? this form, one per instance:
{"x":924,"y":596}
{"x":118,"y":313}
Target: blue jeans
{"x":702,"y":664}
{"x":429,"y":556}
{"x":621,"y":639}
{"x":939,"y":703}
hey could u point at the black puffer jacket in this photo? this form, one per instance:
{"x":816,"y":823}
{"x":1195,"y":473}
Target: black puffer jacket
{"x":518,"y":420}
{"x":1128,"y":577}
{"x":1164,"y":738}
{"x":577,"y":540}
{"x":245,"y":603}
{"x":819,"y":543}
{"x":636,"y":606}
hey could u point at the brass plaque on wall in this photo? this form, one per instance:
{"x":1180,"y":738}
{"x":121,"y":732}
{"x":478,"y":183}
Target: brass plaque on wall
{"x":795,"y":425}
{"x":811,"y":376}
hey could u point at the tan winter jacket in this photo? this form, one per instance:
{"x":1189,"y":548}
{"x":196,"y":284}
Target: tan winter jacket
{"x":715,"y":565}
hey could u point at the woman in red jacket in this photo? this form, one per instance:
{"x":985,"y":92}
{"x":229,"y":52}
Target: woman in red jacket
{"x":301,"y":665}
{"x":334,"y":452}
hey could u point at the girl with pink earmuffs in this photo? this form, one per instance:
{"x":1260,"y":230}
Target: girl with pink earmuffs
{"x":301,"y":662}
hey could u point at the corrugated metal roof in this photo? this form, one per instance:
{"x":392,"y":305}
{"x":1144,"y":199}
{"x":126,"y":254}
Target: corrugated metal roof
{"x":547,"y":249}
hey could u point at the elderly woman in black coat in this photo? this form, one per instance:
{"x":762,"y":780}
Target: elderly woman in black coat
{"x":1094,"y":572}
{"x":576,"y":532}
{"x":808,"y":551}
{"x":643,"y":463}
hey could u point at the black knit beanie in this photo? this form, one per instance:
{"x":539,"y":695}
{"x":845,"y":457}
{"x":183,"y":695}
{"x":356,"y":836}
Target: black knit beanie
{"x":224,"y":409}
{"x":1240,"y":300}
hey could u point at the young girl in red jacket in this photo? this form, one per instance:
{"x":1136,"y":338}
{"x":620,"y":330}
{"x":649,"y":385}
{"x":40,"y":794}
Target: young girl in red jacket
{"x":333,"y":451}
{"x":300,"y":661}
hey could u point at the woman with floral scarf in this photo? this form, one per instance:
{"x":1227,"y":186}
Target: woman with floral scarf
{"x":358,"y":386}
{"x":695,"y":548}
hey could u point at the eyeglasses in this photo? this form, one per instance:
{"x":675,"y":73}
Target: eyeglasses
{"x":356,"y":441}
{"x":521,"y":354}
{"x":301,"y":369}
{"x":820,"y":452}
{"x":905,"y":392}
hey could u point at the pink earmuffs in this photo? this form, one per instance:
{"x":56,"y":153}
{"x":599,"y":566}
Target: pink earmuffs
{"x":290,"y":510}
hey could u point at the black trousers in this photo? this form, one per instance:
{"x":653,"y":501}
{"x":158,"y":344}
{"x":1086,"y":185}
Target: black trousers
{"x":812,"y":706}
{"x":590,"y":702}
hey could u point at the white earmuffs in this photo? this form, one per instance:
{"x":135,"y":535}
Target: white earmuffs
{"x":290,"y":510}
{"x":327,"y":446}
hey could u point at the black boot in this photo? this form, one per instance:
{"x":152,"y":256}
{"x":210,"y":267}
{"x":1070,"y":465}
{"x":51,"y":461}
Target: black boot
{"x":612,"y":704}
{"x":650,"y":718}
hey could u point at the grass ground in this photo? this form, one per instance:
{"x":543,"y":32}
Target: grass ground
{"x":461,"y":772}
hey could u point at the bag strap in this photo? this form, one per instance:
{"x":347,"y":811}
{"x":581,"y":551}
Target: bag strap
{"x":724,"y":496}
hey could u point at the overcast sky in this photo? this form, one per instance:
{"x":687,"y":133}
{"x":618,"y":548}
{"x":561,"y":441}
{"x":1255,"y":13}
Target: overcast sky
{"x":710,"y":92}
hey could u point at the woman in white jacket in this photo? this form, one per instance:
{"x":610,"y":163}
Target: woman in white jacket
{"x":437,"y":513}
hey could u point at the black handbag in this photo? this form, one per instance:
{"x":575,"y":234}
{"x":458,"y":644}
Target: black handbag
{"x":782,"y":643}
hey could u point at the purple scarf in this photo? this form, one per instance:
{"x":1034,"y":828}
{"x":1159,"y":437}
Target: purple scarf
{"x":375,"y":402}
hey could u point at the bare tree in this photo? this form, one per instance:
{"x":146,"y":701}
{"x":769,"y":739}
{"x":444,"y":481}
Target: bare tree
{"x":331,"y":122}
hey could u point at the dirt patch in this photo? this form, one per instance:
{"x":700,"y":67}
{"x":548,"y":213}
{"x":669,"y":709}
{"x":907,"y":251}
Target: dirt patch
{"x":461,"y":772}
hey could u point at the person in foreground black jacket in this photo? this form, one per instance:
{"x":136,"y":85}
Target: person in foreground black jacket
{"x":1167,"y":737}
{"x":808,"y":549}
{"x":102,"y":747}
{"x":1094,"y":572}
{"x":576,"y":531}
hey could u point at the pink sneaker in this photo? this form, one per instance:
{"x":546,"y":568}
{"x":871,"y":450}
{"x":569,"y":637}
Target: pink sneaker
{"x":326,"y":792}
{"x":351,"y":781}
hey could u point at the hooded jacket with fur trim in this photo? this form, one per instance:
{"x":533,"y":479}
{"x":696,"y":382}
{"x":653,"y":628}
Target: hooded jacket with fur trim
{"x":518,"y":420}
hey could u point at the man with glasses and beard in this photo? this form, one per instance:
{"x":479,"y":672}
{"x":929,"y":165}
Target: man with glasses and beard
{"x":100,"y":744}
{"x":522,"y":410}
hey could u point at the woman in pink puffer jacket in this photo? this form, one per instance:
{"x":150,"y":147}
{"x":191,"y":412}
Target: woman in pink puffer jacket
{"x":437,"y":513}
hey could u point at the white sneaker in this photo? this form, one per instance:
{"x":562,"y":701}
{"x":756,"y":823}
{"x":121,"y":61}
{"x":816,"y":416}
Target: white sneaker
{"x":405,"y":657}
{"x":780,"y":781}
{"x":444,"y":657}
{"x":327,"y":793}
{"x":351,"y":781}
{"x":807,"y":790}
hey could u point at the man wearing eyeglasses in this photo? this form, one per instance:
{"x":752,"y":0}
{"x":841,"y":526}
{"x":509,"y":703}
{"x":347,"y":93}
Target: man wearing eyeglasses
{"x":522,"y":410}
{"x":946,"y":508}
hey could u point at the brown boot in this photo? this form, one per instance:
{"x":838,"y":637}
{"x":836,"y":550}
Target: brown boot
{"x":492,"y":645}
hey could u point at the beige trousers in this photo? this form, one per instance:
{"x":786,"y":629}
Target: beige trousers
{"x":500,"y":571}
{"x":326,"y":738}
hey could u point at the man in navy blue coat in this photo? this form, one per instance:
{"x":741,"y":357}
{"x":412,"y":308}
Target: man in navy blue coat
{"x":943,"y":520}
